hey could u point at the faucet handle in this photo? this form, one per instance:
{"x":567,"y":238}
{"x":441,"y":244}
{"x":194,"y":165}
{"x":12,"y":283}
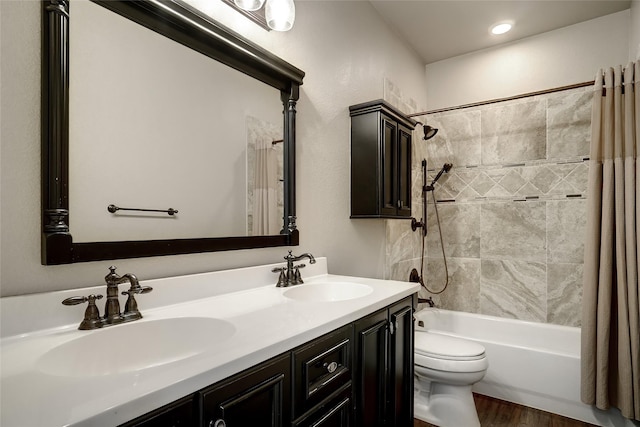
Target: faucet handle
{"x":282,"y":278}
{"x":92,"y":318}
{"x":297,"y":277}
{"x":137,"y":290}
{"x":131,"y":311}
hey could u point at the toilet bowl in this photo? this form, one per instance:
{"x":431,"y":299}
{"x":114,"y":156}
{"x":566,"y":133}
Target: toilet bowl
{"x":445,"y":369}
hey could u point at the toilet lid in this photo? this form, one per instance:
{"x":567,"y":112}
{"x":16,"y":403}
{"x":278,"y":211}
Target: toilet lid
{"x":447,"y":348}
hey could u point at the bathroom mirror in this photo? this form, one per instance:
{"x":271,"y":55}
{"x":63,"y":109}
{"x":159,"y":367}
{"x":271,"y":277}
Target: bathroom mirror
{"x":222,"y":53}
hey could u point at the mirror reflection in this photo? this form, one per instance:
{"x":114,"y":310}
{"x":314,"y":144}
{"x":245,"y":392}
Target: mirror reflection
{"x":156,"y":125}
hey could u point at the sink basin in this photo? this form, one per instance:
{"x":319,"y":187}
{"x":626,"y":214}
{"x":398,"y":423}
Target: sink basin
{"x":135,"y":346}
{"x":329,"y":291}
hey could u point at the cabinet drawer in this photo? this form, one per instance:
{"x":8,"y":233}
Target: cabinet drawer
{"x":321,"y":368}
{"x":334,"y":412}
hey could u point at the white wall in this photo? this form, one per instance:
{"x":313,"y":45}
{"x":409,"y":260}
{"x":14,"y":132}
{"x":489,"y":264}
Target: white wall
{"x":557,"y":58}
{"x":346,"y":51}
{"x":634,"y":36}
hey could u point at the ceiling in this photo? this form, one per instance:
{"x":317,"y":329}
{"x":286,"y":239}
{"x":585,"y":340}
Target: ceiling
{"x":440,"y":29}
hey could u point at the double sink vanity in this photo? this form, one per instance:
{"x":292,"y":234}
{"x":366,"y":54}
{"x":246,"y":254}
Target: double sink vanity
{"x":215,"y":349}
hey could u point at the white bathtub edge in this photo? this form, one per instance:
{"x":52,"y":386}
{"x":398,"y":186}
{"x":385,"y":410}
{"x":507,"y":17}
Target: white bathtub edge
{"x":567,"y":408}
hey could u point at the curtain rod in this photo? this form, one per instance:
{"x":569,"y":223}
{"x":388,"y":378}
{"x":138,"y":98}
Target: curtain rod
{"x":509,"y":98}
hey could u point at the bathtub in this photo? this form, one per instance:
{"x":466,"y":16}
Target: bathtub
{"x":532,"y":364}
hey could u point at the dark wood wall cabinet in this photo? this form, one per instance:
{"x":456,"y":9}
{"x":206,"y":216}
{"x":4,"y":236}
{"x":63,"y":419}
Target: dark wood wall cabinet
{"x":359,"y":375}
{"x":381,"y":138}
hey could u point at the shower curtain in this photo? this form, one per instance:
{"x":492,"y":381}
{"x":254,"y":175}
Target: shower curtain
{"x":610,"y":311}
{"x":265,"y":190}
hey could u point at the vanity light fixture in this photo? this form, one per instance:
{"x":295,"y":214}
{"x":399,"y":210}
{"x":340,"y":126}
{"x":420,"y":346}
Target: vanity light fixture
{"x":279,"y":14}
{"x":501,"y":28}
{"x":249,"y":4}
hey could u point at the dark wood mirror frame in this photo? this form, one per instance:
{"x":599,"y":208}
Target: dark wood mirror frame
{"x":191,"y":28}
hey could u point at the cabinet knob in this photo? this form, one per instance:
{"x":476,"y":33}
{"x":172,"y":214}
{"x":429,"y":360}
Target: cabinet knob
{"x":217,"y":423}
{"x":331,"y":367}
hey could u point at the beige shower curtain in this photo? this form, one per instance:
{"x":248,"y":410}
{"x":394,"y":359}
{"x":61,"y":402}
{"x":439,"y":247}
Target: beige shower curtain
{"x":610,"y":311}
{"x":265,"y":190}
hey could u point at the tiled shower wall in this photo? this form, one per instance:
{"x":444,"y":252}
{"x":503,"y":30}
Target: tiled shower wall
{"x":512,"y":209}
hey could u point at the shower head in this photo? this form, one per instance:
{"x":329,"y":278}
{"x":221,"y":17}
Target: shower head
{"x":429,"y":132}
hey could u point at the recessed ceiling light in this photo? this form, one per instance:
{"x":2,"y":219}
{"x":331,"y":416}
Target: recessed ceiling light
{"x":500,"y":28}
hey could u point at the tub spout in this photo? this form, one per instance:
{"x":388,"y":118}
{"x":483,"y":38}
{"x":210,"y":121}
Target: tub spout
{"x":427,"y":301}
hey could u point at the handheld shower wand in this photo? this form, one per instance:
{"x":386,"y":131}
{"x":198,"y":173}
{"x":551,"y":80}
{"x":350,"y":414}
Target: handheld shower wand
{"x":414,"y":276}
{"x":445,"y":169}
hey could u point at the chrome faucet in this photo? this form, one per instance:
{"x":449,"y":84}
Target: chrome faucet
{"x":290,"y":275}
{"x":112,"y":314}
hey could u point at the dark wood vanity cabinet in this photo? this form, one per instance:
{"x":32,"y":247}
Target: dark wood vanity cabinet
{"x":381,"y":138}
{"x":384,"y":367}
{"x":358,"y":375}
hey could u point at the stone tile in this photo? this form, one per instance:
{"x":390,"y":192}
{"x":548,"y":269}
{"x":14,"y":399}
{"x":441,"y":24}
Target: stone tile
{"x":562,"y":188}
{"x":515,"y":231}
{"x":457,"y":140}
{"x":512,"y":181}
{"x":566,"y":223}
{"x":467,"y":194}
{"x":400,"y":241}
{"x":498,"y":191}
{"x":564,"y":294}
{"x":569,"y":124}
{"x":463,"y":291}
{"x":466,"y":175}
{"x":544,"y":178}
{"x":451,"y":183}
{"x":482,"y":183}
{"x":460,"y":230}
{"x":416,"y":192}
{"x":529,"y":190}
{"x":497,"y":173}
{"x":401,"y":270}
{"x":579,"y":177}
{"x":513,"y":133}
{"x":513,"y":289}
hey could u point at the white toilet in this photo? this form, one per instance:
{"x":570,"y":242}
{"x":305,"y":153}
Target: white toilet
{"x":445,"y":369}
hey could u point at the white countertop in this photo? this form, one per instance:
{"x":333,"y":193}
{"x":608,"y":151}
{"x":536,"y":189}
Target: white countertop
{"x":264,"y":323}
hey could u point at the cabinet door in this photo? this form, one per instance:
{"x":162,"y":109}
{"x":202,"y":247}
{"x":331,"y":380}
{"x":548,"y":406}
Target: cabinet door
{"x":404,"y":171}
{"x":389,"y":147}
{"x":259,"y":397}
{"x":401,"y":364}
{"x":371,"y":367}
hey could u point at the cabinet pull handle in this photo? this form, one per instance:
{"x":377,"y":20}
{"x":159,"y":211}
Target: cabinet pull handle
{"x":217,"y":423}
{"x":392,"y":327}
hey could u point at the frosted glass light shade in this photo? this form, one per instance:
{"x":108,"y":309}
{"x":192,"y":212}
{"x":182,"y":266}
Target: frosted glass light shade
{"x":249,"y":4}
{"x":280,"y":14}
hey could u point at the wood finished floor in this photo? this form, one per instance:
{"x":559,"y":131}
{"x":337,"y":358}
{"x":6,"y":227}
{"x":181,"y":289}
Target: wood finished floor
{"x":498,"y":413}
